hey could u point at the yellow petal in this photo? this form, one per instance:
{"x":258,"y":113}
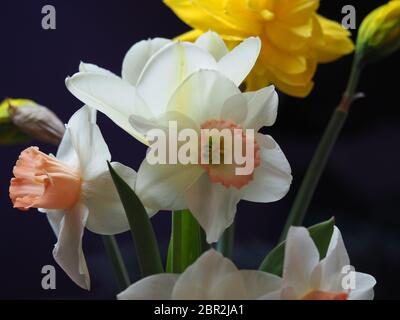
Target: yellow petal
{"x":296,"y":11}
{"x":336,"y":43}
{"x":190,"y":36}
{"x":298,"y":79}
{"x":285,"y":61}
{"x":206,"y":14}
{"x":287,"y":37}
{"x":261,"y":77}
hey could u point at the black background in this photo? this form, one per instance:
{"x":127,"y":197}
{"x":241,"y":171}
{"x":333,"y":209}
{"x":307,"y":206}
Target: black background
{"x":360,"y":186}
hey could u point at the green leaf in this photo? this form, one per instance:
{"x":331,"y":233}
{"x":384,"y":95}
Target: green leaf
{"x":186,"y":245}
{"x":147,"y":249}
{"x":321,"y":234}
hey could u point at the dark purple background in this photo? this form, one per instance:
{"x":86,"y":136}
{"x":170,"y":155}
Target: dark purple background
{"x":360,"y":186}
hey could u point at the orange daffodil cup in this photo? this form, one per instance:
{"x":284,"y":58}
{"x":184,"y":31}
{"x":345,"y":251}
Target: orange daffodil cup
{"x":295,"y":39}
{"x":305,"y":277}
{"x":196,"y":85}
{"x":74,"y":189}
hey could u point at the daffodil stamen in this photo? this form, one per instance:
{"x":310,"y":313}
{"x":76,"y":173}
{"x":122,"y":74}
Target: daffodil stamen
{"x":219,"y":163}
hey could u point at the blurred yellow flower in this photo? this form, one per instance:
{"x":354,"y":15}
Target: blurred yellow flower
{"x":379,"y":33}
{"x":295,"y":38}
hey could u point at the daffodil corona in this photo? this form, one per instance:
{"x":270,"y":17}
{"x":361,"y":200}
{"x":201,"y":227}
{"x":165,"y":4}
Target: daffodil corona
{"x":294,"y":37}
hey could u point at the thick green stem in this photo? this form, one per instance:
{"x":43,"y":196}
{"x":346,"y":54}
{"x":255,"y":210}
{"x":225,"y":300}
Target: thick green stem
{"x":226,"y":243}
{"x":117,"y":262}
{"x":323,"y":152}
{"x":186,"y":242}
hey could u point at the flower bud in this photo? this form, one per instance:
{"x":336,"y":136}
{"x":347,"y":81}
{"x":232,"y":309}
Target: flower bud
{"x":32,"y":120}
{"x":379,"y":33}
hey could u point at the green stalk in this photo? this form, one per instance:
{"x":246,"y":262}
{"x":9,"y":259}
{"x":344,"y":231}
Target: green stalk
{"x":117,"y":262}
{"x":226,"y":243}
{"x":323,"y":152}
{"x":186,"y":243}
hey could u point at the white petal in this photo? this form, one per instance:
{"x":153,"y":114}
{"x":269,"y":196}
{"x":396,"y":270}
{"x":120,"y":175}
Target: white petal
{"x":114,"y":97}
{"x":137,"y":57}
{"x":237,"y":64}
{"x":262,"y":108}
{"x":198,"y":281}
{"x":54,"y":217}
{"x":68,"y":249}
{"x":272,"y":179}
{"x":235,"y":109}
{"x":275,"y":295}
{"x":301,"y":257}
{"x":89,"y":144}
{"x":213,"y":43}
{"x":92,"y":68}
{"x":155,"y":287}
{"x":337,"y":247}
{"x":106,"y":213}
{"x":213,"y":206}
{"x":259,"y":284}
{"x":207,"y":95}
{"x":330,"y":270}
{"x":364,"y":287}
{"x":230,"y":287}
{"x":162,"y":186}
{"x":66,"y":151}
{"x":162,"y":122}
{"x":167,"y":69}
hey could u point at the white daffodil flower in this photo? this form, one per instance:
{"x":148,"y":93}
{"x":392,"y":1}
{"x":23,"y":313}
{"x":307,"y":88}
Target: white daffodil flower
{"x":211,"y":277}
{"x":209,"y":100}
{"x":305,"y":277}
{"x":152,"y":70}
{"x":75,"y":189}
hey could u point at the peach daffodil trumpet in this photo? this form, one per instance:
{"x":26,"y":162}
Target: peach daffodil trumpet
{"x":74,"y":189}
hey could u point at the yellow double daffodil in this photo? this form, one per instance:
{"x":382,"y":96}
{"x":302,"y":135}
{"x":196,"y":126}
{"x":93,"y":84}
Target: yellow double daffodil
{"x":294,"y":37}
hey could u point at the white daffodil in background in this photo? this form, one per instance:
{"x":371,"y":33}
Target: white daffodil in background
{"x":151,"y":72}
{"x":75,"y":189}
{"x":211,"y":277}
{"x":209,"y":100}
{"x":306,"y":277}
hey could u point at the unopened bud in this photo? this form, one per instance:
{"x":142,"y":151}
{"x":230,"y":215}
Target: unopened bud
{"x":37,"y":122}
{"x":379,"y":34}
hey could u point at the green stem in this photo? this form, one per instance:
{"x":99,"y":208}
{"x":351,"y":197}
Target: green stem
{"x":186,"y":243}
{"x":354,"y":78}
{"x":226,"y":243}
{"x":117,"y":262}
{"x":323,"y":152}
